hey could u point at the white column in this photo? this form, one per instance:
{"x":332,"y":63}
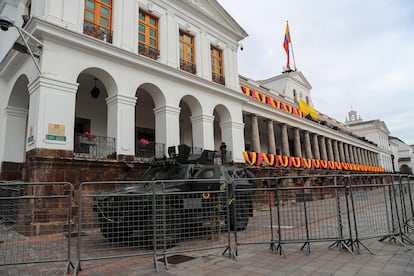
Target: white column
{"x":204,"y":64}
{"x":203,"y":131}
{"x":167,"y":126}
{"x":15,"y":137}
{"x":232,"y":134}
{"x":271,"y":143}
{"x":231,"y":73}
{"x":255,"y":134}
{"x":169,"y":42}
{"x":121,"y":123}
{"x":52,"y":103}
{"x":125,"y":33}
{"x":297,"y":148}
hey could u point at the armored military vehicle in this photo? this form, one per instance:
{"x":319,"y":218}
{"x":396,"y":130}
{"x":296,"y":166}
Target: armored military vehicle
{"x":175,"y":199}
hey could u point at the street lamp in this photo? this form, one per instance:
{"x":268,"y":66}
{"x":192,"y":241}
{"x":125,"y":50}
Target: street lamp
{"x":5,"y":24}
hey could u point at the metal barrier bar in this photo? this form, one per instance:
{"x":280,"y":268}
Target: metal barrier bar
{"x":35,"y":223}
{"x":407,"y":202}
{"x":343,"y":242}
{"x":369,"y":211}
{"x":114,"y":222}
{"x":408,"y":194}
{"x":191,"y":221}
{"x":253,"y":212}
{"x":312,"y":213}
{"x":151,"y":220}
{"x":299,"y":210}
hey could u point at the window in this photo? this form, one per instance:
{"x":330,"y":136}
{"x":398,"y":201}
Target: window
{"x":217,"y":65}
{"x":148,"y":35}
{"x":187,"y":54}
{"x":295,"y":96}
{"x":98,"y":19}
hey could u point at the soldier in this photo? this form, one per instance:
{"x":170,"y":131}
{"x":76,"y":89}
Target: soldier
{"x":223,"y":151}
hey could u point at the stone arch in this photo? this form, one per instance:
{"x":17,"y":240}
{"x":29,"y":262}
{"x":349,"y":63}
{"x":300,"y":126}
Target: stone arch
{"x":221,"y":116}
{"x":16,"y":115}
{"x":149,"y":97}
{"x":223,"y":129}
{"x":190,"y":110}
{"x":104,"y":77}
{"x":154,"y":91}
{"x":91,"y":113}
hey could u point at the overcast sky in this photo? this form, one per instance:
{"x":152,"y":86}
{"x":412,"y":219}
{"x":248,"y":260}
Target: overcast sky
{"x":354,"y":53}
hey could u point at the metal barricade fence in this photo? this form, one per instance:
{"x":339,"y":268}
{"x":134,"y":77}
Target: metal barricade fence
{"x":151,"y":219}
{"x":407,"y":210}
{"x":154,"y":220}
{"x":251,"y":211}
{"x":293,"y":210}
{"x":346,"y":209}
{"x":312,"y":213}
{"x":400,"y":209}
{"x":407,"y":183}
{"x":35,"y":223}
{"x":371,"y":205}
{"x":106,"y":217}
{"x":196,"y":219}
{"x":297,"y":210}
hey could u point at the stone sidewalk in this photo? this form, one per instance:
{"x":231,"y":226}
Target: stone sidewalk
{"x":390,"y":258}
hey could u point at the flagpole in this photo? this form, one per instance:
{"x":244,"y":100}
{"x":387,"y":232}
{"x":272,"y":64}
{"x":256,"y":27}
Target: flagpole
{"x":291,"y":46}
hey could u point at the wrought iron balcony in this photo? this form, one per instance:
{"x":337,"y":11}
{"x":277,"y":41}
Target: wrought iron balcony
{"x":91,"y":146}
{"x":218,"y":79}
{"x":187,"y":66}
{"x":97,"y":32}
{"x":148,"y":51}
{"x":149,"y":151}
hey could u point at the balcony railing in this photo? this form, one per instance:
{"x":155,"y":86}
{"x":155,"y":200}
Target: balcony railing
{"x":218,"y":79}
{"x":149,"y":151}
{"x":97,"y":32}
{"x":148,"y":51}
{"x":187,"y":66}
{"x":91,"y":146}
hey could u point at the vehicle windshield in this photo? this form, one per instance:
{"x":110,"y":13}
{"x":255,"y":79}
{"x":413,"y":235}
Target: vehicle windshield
{"x":164,"y":173}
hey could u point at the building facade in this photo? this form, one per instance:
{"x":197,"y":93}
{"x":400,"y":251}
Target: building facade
{"x":377,"y":132}
{"x":113,"y":80}
{"x":403,"y":157}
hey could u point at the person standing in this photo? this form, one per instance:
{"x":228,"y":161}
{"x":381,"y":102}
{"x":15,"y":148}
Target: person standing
{"x":223,"y":152}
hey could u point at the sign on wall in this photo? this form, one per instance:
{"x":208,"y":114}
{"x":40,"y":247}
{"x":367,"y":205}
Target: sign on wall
{"x":56,"y":132}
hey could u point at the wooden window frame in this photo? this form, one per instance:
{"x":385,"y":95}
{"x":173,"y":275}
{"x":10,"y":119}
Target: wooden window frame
{"x":185,"y":63}
{"x":97,"y":17}
{"x":217,"y":72}
{"x":145,"y":48}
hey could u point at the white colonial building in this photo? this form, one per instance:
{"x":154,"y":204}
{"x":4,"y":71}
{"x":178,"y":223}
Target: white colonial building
{"x":114,"y":80}
{"x":375,"y":131}
{"x":404,"y":156}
